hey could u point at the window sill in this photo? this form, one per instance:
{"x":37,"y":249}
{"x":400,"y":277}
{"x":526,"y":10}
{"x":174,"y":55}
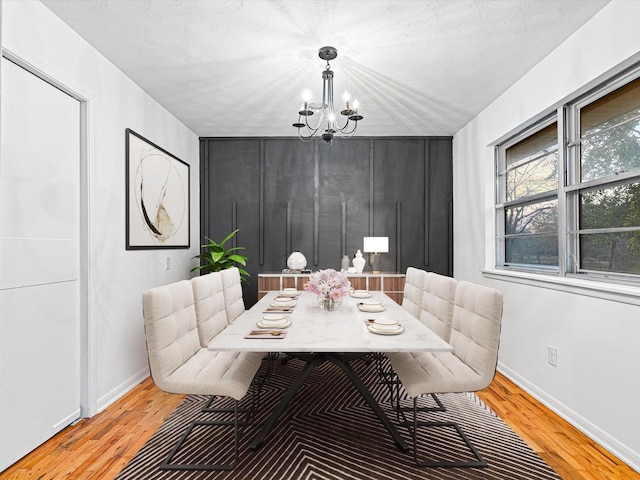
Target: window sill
{"x":608,"y":291}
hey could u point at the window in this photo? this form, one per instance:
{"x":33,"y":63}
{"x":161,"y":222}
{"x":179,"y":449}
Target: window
{"x":528,"y":190}
{"x":573,"y":207}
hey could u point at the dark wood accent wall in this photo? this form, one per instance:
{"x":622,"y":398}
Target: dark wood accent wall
{"x":285,"y":195}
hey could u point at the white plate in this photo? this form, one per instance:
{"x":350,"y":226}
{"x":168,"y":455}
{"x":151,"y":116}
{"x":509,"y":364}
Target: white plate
{"x":288,"y":292}
{"x":277,"y":303}
{"x":385,"y":331}
{"x":281,"y":324}
{"x":273,"y":318}
{"x":385,"y":322}
{"x":372,"y":308}
{"x":361,"y":294}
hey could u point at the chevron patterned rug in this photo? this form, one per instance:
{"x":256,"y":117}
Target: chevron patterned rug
{"x":329,"y":433}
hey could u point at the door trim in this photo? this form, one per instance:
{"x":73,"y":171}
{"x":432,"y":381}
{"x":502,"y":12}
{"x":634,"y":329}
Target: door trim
{"x":88,"y":337}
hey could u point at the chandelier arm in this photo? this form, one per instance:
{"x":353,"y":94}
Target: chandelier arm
{"x":305,"y":139}
{"x":344,"y":127}
{"x":326,"y":110}
{"x":311,"y":131}
{"x":344,"y":132}
{"x":317,"y":127}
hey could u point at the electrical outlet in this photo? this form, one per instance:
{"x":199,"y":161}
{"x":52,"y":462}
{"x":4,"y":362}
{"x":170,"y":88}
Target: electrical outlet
{"x":167,"y":263}
{"x":552,"y":355}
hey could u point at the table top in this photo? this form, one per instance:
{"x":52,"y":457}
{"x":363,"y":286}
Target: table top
{"x":343,"y":330}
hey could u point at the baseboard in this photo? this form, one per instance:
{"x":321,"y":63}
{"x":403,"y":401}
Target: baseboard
{"x":121,"y":390}
{"x":602,"y":438}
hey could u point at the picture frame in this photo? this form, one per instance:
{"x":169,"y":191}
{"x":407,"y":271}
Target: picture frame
{"x":157,"y":196}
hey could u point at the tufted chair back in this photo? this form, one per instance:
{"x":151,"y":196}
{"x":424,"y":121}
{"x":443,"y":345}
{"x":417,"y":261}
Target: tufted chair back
{"x":436,"y":309}
{"x":234,"y":304}
{"x":211,"y":315}
{"x":475,"y":336}
{"x":170,"y":326}
{"x":413,"y":291}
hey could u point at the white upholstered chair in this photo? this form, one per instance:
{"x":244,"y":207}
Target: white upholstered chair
{"x":436,"y":312}
{"x":430,"y":299}
{"x":413,"y":290}
{"x":211,"y":313}
{"x":211,"y":319}
{"x":180,"y":365}
{"x":471,"y":366}
{"x":436,"y":309}
{"x":231,"y":283}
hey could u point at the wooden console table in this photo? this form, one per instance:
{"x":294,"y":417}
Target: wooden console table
{"x":390,"y":283}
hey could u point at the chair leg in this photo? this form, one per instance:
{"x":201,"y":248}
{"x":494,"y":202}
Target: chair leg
{"x":478,"y":462}
{"x":249,"y":411}
{"x":256,"y":387}
{"x":385,"y":373}
{"x":167,"y":465}
{"x":207,"y":406}
{"x":390,"y":378}
{"x":440,"y":407}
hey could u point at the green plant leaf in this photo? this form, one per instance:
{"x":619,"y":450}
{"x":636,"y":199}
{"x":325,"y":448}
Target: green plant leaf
{"x":238,"y":258}
{"x":215,"y":257}
{"x":229,"y":236}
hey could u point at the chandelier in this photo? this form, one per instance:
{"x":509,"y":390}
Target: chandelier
{"x":325,"y":119}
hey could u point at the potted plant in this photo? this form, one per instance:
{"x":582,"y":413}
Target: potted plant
{"x":216,"y":257}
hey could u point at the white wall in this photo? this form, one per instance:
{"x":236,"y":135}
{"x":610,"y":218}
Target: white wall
{"x":596,"y":384}
{"x":117,"y":277}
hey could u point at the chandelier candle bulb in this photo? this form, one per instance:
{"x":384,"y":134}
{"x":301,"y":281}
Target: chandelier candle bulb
{"x":326,"y":125}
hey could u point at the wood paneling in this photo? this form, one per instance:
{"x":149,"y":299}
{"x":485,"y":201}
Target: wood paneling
{"x":391,"y":284}
{"x":285,"y":195}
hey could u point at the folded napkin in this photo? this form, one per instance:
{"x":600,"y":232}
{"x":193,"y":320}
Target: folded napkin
{"x":264,"y":334}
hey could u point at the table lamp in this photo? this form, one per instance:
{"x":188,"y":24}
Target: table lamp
{"x":374,"y":246}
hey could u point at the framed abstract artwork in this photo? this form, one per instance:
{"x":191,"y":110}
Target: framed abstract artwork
{"x":157,"y":196}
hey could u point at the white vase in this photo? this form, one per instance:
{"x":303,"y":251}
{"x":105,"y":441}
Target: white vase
{"x":296,"y":261}
{"x":359,"y":262}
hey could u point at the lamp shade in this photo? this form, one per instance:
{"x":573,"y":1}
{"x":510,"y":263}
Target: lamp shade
{"x":375,"y":244}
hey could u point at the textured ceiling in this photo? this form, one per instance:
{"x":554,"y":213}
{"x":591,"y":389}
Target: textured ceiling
{"x":238,"y":67}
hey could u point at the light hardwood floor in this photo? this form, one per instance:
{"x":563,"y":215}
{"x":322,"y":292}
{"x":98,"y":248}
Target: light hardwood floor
{"x":98,"y":448}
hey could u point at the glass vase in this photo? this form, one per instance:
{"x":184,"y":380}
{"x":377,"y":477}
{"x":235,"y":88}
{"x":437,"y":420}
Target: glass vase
{"x":329,"y":304}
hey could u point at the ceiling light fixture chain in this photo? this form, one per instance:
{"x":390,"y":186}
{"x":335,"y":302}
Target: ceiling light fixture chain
{"x":325,"y":110}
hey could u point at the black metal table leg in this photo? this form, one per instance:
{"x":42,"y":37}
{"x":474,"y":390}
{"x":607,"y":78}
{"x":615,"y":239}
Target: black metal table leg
{"x":312,"y":362}
{"x":366,"y":394}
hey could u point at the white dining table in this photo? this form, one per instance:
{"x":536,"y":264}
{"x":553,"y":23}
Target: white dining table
{"x":337,"y":336}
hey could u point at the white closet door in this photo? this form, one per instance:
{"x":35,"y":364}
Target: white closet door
{"x":39,"y":262}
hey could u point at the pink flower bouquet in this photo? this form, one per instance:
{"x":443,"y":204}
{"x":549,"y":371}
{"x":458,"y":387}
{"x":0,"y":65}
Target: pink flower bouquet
{"x":328,"y":283}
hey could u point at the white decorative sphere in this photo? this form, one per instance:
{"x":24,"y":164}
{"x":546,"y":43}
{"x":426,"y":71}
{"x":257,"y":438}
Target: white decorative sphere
{"x":296,"y":261}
